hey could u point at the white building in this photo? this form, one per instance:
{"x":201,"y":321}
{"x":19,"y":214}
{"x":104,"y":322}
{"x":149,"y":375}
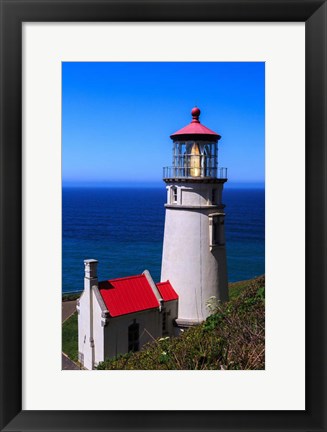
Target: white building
{"x":194,"y":254}
{"x":120,"y":315}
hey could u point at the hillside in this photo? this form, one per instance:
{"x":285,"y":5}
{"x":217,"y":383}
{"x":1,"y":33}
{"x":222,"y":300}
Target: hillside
{"x":233,"y":337}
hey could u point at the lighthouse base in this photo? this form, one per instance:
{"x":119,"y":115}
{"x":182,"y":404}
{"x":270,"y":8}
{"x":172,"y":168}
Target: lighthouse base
{"x":186,"y":323}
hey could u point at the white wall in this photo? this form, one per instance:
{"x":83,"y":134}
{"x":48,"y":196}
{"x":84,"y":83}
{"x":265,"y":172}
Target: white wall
{"x":111,"y":339}
{"x":90,"y":308}
{"x":171,"y":309}
{"x":194,"y":194}
{"x":116,"y":331}
{"x":84,"y":327}
{"x":195,"y":270}
{"x":98,"y":331}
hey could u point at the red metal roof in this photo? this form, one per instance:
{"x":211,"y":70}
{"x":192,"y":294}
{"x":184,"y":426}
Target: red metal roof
{"x":195,"y":130}
{"x":166,"y":291}
{"x":127,"y":295}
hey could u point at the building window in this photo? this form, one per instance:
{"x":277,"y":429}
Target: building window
{"x":133,"y":336}
{"x":174,"y":194}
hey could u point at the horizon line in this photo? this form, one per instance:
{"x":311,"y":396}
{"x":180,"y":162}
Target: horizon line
{"x":149,"y":184}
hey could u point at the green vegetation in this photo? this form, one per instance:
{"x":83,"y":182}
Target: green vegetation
{"x":236,"y":288}
{"x":231,"y":338}
{"x":71,"y":296}
{"x":70,"y":337}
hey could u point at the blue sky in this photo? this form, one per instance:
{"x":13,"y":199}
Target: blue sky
{"x":117,"y":118}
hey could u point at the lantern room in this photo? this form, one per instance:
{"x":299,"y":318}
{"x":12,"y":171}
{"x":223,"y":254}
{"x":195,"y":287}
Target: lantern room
{"x":195,"y":152}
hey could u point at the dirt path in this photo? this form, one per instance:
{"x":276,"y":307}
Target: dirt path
{"x":67,"y":364}
{"x":67,"y":309}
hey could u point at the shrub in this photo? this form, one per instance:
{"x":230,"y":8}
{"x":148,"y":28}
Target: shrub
{"x":233,"y":337}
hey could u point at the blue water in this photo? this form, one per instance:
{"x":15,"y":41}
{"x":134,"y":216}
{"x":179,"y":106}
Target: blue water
{"x":123,"y":229}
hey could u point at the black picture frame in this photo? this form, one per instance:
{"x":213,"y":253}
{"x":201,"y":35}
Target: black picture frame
{"x":13,"y":14}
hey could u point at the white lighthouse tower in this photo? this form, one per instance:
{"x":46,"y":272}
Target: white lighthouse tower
{"x":194,"y":254}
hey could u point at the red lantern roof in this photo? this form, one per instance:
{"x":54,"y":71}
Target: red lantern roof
{"x":195,"y":130}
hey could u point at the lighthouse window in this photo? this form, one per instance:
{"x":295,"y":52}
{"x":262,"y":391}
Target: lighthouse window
{"x":213,"y":196}
{"x":217,"y":234}
{"x":133,"y":337}
{"x":220,"y":235}
{"x":215,"y":231}
{"x":174,"y":194}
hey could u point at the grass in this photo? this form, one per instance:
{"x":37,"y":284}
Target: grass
{"x":70,"y":337}
{"x":236,"y":288}
{"x":233,"y":337}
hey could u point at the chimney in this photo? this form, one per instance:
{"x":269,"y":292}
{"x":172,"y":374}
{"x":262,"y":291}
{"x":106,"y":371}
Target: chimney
{"x":91,"y":268}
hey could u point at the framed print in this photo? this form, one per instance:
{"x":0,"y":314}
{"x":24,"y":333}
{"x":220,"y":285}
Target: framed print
{"x":48,"y":48}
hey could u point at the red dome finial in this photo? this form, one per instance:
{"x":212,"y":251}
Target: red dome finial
{"x":195,"y":115}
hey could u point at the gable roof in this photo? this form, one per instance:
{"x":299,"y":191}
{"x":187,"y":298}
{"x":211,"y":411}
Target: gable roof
{"x":127,"y":295}
{"x":166,"y":291}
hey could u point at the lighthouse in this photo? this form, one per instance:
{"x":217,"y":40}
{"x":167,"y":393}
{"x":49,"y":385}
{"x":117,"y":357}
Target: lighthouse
{"x":194,"y":252}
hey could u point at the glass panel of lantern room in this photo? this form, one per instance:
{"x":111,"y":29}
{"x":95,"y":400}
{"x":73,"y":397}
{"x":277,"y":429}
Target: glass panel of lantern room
{"x":207,"y":161}
{"x":174,"y":159}
{"x":177,"y":159}
{"x":209,"y":149}
{"x":181,"y":159}
{"x":215,"y":160}
{"x":194,"y":159}
{"x":186,"y":164}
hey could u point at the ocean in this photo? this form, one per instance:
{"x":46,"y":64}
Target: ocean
{"x":123,"y":229}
